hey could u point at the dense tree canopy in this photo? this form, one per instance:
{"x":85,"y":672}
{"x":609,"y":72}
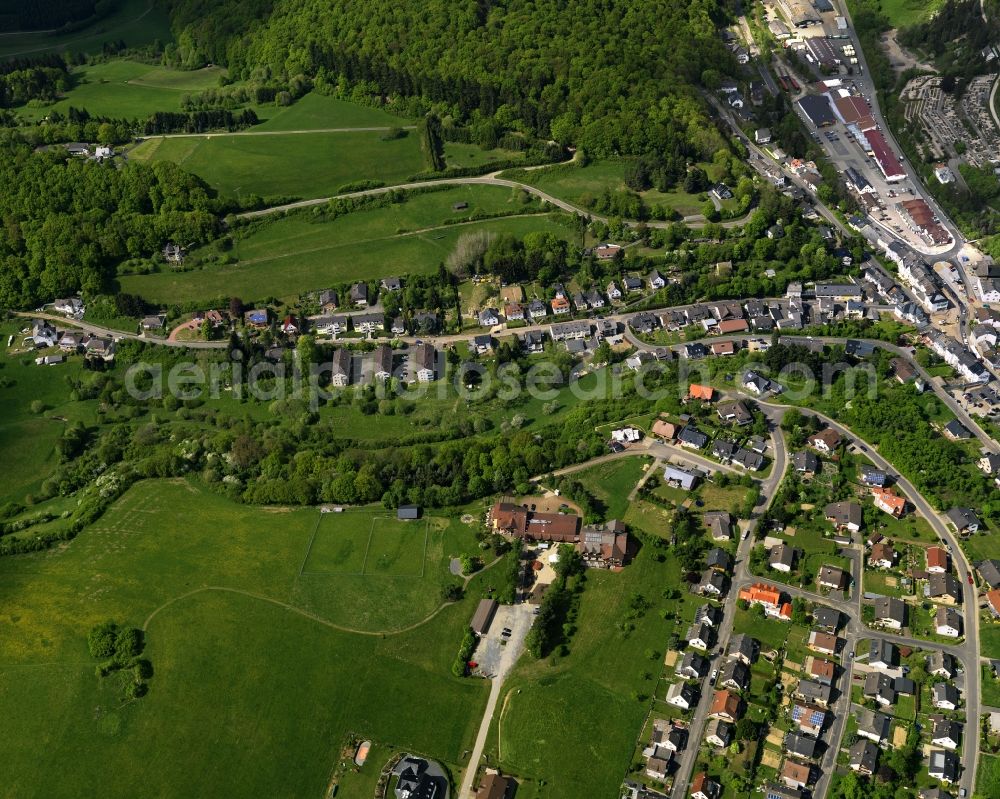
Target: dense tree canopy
{"x":615,"y":77}
{"x":67,"y":221}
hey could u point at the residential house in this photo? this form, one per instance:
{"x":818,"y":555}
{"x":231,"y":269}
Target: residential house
{"x":489,"y":317}
{"x":726,"y":706}
{"x":871,"y":476}
{"x":692,"y":438}
{"x":613,"y":292}
{"x":882,"y":556}
{"x":956,"y":431}
{"x":708,"y":614}
{"x":594,"y":299}
{"x":863,"y":757}
{"x":424,"y":362}
{"x":643,"y":323}
{"x":723,"y":348}
{"x":331,"y":325}
{"x":692,"y":667}
{"x":769,"y":597}
{"x":873,"y":725}
{"x":495,"y":786}
{"x":723,"y":450}
{"x":98,"y":347}
{"x":482,"y":344}
{"x":943,"y":765}
{"x":782,"y":558}
{"x":713,"y":583}
{"x":844,"y":515}
{"x":71,"y":342}
{"x":821,"y":670}
{"x":796,"y":775}
{"x":825,"y":643}
{"x":773,"y":790}
{"x":890,"y":612}
{"x":718,"y":522}
{"x":800,"y":745}
{"x":889,"y":501}
{"x":989,"y":572}
{"x":989,"y":463}
{"x":758,"y":384}
{"x":945,"y":696}
{"x":826,"y":618}
{"x":560,"y":306}
{"x":809,"y":718}
{"x":964,"y":520}
{"x":718,"y":733}
{"x":831,"y":577}
{"x":944,"y":588}
{"x":580,"y":301}
{"x":290,"y":325}
{"x":936,"y":559}
{"x":682,"y":695}
{"x":70,"y":306}
{"x":383,"y":362}
{"x":665,"y":430}
{"x":880,"y":687}
{"x":704,"y":787}
{"x":327,"y":301}
{"x":398,"y":326}
{"x":941,"y":664}
{"x":513,"y":311}
{"x":826,"y":440}
{"x":656,"y":280}
{"x":533,"y":341}
{"x":391,"y":284}
{"x":734,"y":674}
{"x":258,"y":318}
{"x":369,"y":323}
{"x":701,"y":636}
{"x":934,"y":793}
{"x":718,"y":558}
{"x":679,"y":478}
{"x":657,"y":767}
{"x":946,"y":733}
{"x":359,"y":295}
{"x":632,"y":284}
{"x":700,"y":392}
{"x":340,"y":368}
{"x":537,"y":310}
{"x":744,"y":648}
{"x":882,"y":655}
{"x":805,"y":463}
{"x":736,"y":412}
{"x":816,"y":693}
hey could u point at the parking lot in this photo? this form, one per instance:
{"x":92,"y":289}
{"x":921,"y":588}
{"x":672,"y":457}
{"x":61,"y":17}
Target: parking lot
{"x":498,"y":650}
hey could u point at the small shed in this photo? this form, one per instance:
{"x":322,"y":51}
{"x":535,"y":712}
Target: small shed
{"x":407,"y":512}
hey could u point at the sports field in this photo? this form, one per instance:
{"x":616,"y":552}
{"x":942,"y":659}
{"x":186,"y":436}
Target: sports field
{"x":303,"y":165}
{"x":135,"y":22}
{"x":253,"y":691}
{"x":129,"y":90}
{"x":308,"y":253}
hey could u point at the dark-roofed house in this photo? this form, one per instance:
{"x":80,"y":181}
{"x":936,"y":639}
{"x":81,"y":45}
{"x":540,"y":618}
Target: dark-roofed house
{"x":944,"y":588}
{"x":734,"y":674}
{"x":832,"y":577}
{"x":340,"y":367}
{"x":701,"y":636}
{"x":772,"y":790}
{"x":964,"y":520}
{"x":882,"y":654}
{"x":704,"y":787}
{"x":890,"y":612}
{"x":805,"y":463}
{"x":800,"y":745}
{"x":782,"y":558}
{"x":744,"y":648}
{"x":873,"y":725}
{"x":947,"y":734}
{"x":495,"y":786}
{"x":718,"y":733}
{"x":719,"y":523}
{"x":712,"y":583}
{"x":693,"y":666}
{"x":945,"y":696}
{"x":414,"y":781}
{"x":941,"y":664}
{"x":815,"y":692}
{"x":989,"y":572}
{"x":718,"y":558}
{"x":826,"y":440}
{"x":682,"y":695}
{"x":870,"y":476}
{"x":382,"y":367}
{"x":863,"y":757}
{"x":708,"y":614}
{"x":844,"y":515}
{"x":826,"y":618}
{"x":943,"y":765}
{"x":880,"y":687}
{"x":408,"y":512}
{"x":692,"y":438}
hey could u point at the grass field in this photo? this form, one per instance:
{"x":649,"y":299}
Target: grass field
{"x":576,"y":184}
{"x":457,"y":154}
{"x":611,"y":482}
{"x":988,"y":778}
{"x":569,"y":728}
{"x":135,"y":22}
{"x":902,"y":13}
{"x":253,"y":692}
{"x":319,"y":111}
{"x":303,"y":165}
{"x":309,"y":254}
{"x":128,"y":89}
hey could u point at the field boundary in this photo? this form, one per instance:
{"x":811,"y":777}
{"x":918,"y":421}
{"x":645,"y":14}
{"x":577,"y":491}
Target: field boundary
{"x":364,"y":572}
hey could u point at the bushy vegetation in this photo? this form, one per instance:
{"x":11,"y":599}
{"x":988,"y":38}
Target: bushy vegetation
{"x":118,"y":648}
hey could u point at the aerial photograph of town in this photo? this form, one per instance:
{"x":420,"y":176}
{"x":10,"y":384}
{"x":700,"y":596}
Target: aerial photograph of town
{"x":500,"y":399}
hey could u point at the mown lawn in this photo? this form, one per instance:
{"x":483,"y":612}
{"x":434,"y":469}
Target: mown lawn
{"x":902,"y":13}
{"x":569,"y":727}
{"x":988,"y":778}
{"x":458,"y":154}
{"x":124,"y":89}
{"x":249,"y":696}
{"x":611,"y":482}
{"x":294,"y":165}
{"x":319,"y":111}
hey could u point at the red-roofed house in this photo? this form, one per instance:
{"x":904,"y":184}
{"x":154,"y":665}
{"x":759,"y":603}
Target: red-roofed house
{"x":937,"y":560}
{"x":889,"y":501}
{"x":705,"y":393}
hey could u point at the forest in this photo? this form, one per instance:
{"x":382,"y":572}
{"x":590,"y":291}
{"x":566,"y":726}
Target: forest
{"x":616,"y":78}
{"x":49,"y":14}
{"x":67,"y":222}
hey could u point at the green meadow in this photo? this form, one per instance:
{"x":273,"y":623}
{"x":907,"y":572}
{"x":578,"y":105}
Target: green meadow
{"x":611,"y":482}
{"x":569,"y":726}
{"x":317,"y":111}
{"x":128,"y":89}
{"x":255,"y":682}
{"x":303,"y":165}
{"x":309,"y":253}
{"x":136,"y":22}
